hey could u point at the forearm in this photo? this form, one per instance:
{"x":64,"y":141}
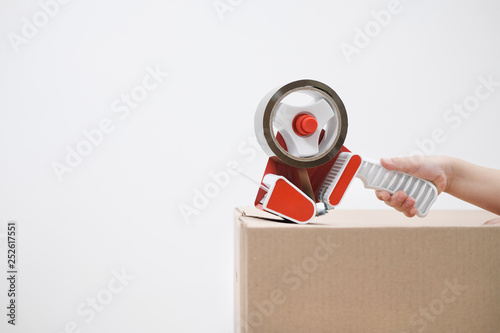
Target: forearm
{"x":475,"y":184}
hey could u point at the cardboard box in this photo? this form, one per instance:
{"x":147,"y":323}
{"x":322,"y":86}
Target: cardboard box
{"x":367,"y":271}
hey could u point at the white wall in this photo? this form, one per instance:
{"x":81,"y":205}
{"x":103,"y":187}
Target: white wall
{"x":119,"y":209}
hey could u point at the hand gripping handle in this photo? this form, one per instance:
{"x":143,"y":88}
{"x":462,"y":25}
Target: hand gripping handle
{"x":376,"y":177}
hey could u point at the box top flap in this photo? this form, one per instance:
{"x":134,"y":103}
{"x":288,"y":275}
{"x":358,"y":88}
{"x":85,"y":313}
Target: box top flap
{"x":257,"y":218}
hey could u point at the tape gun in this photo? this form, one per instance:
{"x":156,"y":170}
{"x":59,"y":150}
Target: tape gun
{"x":302,"y":127}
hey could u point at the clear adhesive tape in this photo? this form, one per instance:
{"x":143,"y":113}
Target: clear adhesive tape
{"x":265,"y":115}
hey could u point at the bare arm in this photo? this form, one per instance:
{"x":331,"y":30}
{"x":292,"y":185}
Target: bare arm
{"x":475,"y":184}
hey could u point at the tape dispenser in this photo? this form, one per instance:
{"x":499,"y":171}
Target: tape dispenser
{"x":302,"y":126}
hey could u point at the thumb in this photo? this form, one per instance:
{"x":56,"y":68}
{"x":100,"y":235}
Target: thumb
{"x":402,"y":164}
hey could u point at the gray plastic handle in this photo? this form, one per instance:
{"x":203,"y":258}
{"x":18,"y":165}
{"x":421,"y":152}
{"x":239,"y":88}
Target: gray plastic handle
{"x":375,"y":176}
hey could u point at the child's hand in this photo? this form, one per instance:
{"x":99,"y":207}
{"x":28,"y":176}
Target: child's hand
{"x":432,"y":168}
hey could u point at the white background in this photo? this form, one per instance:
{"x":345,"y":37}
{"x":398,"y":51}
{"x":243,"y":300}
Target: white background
{"x":120,"y":207}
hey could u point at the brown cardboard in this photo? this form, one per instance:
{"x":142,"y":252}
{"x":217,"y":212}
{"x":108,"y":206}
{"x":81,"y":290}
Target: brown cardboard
{"x":367,"y":271}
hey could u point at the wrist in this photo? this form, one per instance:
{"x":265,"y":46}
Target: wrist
{"x":451,"y":168}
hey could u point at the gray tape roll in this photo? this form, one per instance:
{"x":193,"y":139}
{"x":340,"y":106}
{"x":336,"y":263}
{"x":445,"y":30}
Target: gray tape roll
{"x":266,"y":112}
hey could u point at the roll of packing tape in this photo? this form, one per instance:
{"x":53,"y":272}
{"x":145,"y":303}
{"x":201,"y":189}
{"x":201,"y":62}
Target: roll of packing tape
{"x":318,"y":140}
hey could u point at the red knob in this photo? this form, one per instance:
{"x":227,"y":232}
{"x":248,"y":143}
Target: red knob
{"x":304,"y":124}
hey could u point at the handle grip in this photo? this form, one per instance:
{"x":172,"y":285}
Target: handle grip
{"x":375,"y":176}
